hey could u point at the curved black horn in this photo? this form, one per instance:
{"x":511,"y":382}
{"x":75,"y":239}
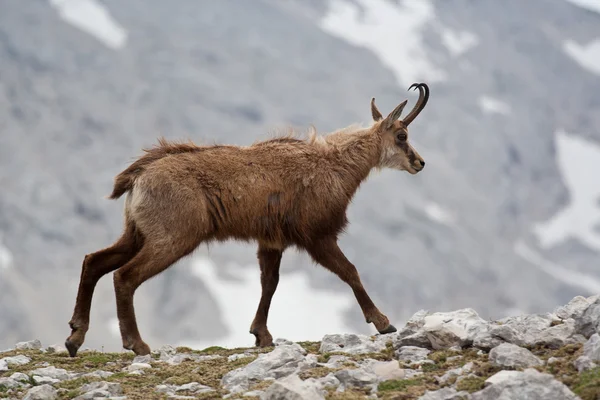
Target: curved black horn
{"x":421,"y":102}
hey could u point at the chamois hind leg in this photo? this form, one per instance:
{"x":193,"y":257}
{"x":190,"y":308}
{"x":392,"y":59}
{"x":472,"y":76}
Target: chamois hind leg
{"x":95,"y":266}
{"x":152,"y":259}
{"x":327,"y":253}
{"x":269,"y":260}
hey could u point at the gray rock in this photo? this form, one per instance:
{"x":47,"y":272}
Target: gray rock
{"x":358,"y":377}
{"x":455,"y":328}
{"x":234,"y":357}
{"x":573,"y":309}
{"x":384,"y":370}
{"x":147,"y":359}
{"x":16,"y":360}
{"x":412,"y":354}
{"x":9,"y":383}
{"x":591,"y":348}
{"x":19,"y":377}
{"x":193,"y":387}
{"x":456,"y":372}
{"x":588,"y":323}
{"x":512,"y":356}
{"x":559,"y":335}
{"x":446,"y":393}
{"x":52,"y":372}
{"x":40,"y":380}
{"x":336,"y":361}
{"x":583,"y":363}
{"x":30,"y":345}
{"x":3,"y":365}
{"x":56,"y":348}
{"x":43,"y":392}
{"x":98,"y":374}
{"x":350,"y":343}
{"x":279,"y":341}
{"x":280,"y":362}
{"x":524,"y":329}
{"x":292,"y":388}
{"x":137,"y":367}
{"x":524,"y":385}
{"x":326,"y":382}
{"x":178,"y":358}
{"x":99,"y":390}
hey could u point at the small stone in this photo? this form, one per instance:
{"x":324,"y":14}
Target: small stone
{"x":98,"y":374}
{"x":138,"y":366}
{"x":43,"y":392}
{"x":51,"y":372}
{"x":350,"y":343}
{"x":552,"y":360}
{"x":513,"y":356}
{"x":386,"y":370}
{"x":357,"y":377}
{"x":55,"y":348}
{"x":524,"y":385}
{"x":147,"y":359}
{"x":234,"y":357}
{"x":30,"y":345}
{"x":19,"y":377}
{"x":591,"y":348}
{"x":412,"y":354}
{"x":292,"y":388}
{"x":100,"y":389}
{"x":39,"y":380}
{"x":447,"y":393}
{"x":583,"y":363}
{"x":16,"y":360}
{"x":456,"y":372}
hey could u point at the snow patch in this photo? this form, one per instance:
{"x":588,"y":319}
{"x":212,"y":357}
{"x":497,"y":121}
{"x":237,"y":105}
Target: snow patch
{"x":591,"y":5}
{"x":490,"y":105}
{"x":579,"y":162}
{"x":93,"y":18}
{"x":458,"y":43}
{"x":391,"y":31}
{"x":298,"y":311}
{"x":439,"y":214}
{"x":6,"y":257}
{"x":588,"y":56}
{"x":560,"y":273}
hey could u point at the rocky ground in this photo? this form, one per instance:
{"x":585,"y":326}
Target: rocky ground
{"x":435,"y":356}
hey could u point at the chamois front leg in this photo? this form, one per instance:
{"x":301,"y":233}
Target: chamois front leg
{"x":327,"y":253}
{"x":269,"y":260}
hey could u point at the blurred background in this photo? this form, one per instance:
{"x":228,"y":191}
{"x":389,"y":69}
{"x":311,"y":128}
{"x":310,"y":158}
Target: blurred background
{"x":505,"y":219}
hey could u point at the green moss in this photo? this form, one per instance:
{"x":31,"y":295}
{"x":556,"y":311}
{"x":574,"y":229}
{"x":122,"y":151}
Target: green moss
{"x":587,"y":386}
{"x":398,"y":384}
{"x":471,"y":384}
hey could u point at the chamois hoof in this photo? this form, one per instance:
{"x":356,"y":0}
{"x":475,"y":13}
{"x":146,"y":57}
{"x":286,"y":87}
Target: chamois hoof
{"x":71,"y":347}
{"x":390,"y":329}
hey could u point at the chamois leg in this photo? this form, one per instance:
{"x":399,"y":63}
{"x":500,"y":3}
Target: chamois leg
{"x":95,"y":266}
{"x":269,"y":260}
{"x":327,"y":253}
{"x":150,"y":261}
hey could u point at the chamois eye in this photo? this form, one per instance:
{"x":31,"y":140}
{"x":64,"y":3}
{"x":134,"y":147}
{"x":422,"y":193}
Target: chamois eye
{"x":401,"y":137}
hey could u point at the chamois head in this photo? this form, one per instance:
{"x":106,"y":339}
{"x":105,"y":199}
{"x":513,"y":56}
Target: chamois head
{"x":397,"y":153}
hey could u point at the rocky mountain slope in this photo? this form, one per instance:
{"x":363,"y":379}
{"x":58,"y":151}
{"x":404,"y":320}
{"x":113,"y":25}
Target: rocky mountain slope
{"x":436,"y":356}
{"x":510,"y":137}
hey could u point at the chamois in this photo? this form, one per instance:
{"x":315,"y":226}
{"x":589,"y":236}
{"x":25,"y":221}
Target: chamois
{"x":279,"y":193}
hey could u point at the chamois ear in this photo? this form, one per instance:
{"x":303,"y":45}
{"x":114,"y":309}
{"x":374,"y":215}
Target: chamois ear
{"x":394,"y":115}
{"x":375,"y":112}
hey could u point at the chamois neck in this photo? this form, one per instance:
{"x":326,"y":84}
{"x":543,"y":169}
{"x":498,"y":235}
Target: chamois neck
{"x":358,"y":151}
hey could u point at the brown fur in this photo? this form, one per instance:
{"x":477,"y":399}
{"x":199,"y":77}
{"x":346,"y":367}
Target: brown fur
{"x":280,"y":193}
